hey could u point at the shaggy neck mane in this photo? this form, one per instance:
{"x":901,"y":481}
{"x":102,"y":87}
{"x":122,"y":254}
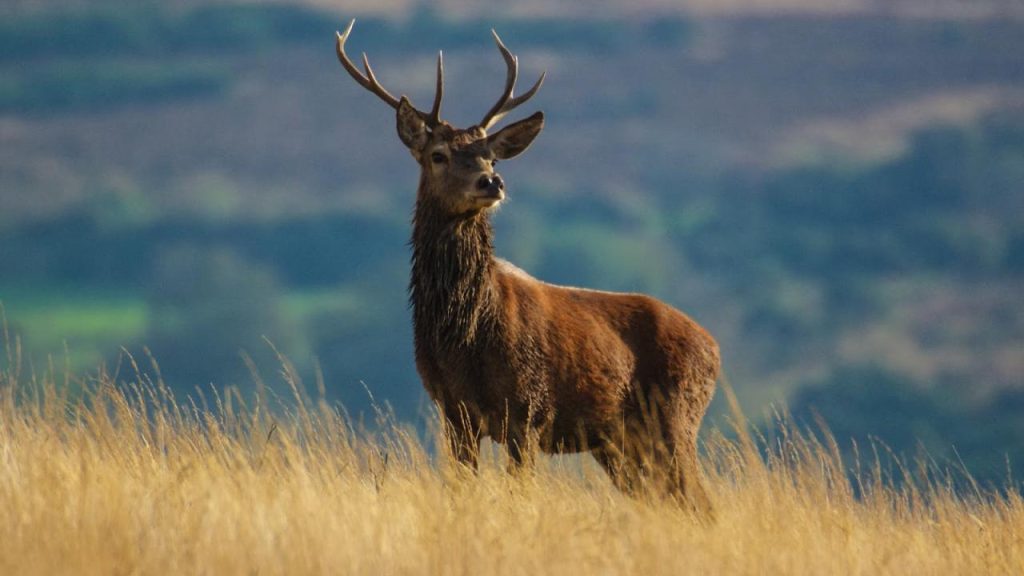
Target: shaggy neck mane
{"x":450,"y":290}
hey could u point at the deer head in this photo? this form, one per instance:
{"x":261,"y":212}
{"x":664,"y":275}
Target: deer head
{"x":457,"y":165}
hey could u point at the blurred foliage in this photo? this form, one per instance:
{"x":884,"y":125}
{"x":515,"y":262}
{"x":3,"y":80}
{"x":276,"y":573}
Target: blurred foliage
{"x":87,"y":249}
{"x":150,"y":28}
{"x":582,"y":251}
{"x":110,"y":54}
{"x":907,"y":214}
{"x":833,"y":230}
{"x":815,"y":238}
{"x":208,"y":307}
{"x":795,"y":255}
{"x":104,"y":84}
{"x":865,"y":405}
{"x":428,"y":26}
{"x":74,"y":325}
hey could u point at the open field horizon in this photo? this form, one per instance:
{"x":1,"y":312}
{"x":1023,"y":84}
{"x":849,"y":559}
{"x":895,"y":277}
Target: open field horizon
{"x":123,"y":478}
{"x":835,"y":190}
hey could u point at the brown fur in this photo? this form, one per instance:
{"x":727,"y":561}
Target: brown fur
{"x":531,"y":364}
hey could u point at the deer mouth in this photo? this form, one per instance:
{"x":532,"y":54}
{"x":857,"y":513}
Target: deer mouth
{"x":489,"y":197}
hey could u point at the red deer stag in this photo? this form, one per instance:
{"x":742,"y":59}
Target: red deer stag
{"x":529,"y":363}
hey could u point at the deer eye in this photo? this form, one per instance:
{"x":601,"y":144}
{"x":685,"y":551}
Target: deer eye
{"x":438,"y":158}
{"x":494,"y":162}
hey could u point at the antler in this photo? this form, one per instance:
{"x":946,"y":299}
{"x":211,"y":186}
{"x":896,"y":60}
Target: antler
{"x":369,"y":81}
{"x":506,"y":103}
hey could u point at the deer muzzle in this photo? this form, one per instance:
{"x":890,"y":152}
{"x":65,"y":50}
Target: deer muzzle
{"x":490,"y":186}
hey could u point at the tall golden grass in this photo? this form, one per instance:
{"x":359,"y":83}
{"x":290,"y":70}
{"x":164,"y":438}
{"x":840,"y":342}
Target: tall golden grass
{"x":122,"y":478}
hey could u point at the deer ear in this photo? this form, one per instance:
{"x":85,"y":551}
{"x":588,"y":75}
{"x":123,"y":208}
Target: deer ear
{"x":411,"y":127}
{"x":513,"y":139}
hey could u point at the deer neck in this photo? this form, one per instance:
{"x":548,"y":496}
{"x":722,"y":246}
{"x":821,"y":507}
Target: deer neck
{"x":451,"y":289}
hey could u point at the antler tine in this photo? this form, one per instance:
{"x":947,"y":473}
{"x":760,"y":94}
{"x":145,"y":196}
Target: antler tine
{"x":435,"y":112}
{"x":494,"y":114}
{"x":506,"y":103}
{"x":515,"y":102}
{"x":368,"y":81}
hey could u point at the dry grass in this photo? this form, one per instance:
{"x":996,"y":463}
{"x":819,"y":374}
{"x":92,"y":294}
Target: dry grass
{"x":126,"y":480}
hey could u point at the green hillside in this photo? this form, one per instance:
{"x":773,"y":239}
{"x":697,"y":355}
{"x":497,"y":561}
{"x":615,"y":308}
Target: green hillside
{"x":829,"y":195}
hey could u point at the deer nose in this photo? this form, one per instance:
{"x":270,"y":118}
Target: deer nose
{"x":489,"y":182}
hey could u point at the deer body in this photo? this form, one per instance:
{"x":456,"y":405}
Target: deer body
{"x":526,"y":362}
{"x":515,"y":352}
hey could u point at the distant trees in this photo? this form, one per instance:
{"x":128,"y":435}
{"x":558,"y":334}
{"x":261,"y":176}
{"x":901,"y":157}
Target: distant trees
{"x":208,"y":305}
{"x":871,"y":405}
{"x":794,"y":257}
{"x":109,"y":55}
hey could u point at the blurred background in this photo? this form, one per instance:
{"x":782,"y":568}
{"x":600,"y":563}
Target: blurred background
{"x":835,"y":189}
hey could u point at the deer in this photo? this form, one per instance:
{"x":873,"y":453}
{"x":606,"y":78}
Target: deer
{"x":532,"y":365}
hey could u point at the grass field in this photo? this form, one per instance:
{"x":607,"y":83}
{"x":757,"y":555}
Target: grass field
{"x":128,"y":480}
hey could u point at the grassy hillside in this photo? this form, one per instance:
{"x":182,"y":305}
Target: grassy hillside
{"x":134,"y":481}
{"x":830,"y":195}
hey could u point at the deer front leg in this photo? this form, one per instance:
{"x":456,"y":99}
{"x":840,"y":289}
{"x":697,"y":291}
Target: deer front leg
{"x":519,"y":453}
{"x":462,"y":433}
{"x":526,"y":441}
